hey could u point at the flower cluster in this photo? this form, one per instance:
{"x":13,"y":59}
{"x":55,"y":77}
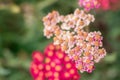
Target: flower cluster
{"x":108,"y":4}
{"x":85,"y":48}
{"x":89,"y":4}
{"x":104,"y":4}
{"x":53,"y":65}
{"x":59,"y":25}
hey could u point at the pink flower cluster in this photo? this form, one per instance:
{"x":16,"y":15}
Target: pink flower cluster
{"x":107,"y":4}
{"x":104,"y":4}
{"x":58,"y":25}
{"x":89,"y":4}
{"x":85,"y":48}
{"x":53,"y":65}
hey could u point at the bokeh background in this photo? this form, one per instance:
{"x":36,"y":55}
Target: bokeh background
{"x":21,"y":33}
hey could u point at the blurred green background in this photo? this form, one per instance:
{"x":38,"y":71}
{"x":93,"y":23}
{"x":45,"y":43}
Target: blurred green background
{"x":21,"y":32}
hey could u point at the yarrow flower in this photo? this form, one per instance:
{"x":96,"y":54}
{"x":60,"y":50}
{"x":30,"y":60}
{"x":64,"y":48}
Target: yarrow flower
{"x":58,"y":25}
{"x":89,"y":4}
{"x":54,"y":64}
{"x":92,"y":4}
{"x":84,"y":48}
{"x":108,"y":4}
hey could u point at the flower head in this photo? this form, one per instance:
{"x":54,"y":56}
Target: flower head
{"x":85,"y":48}
{"x":108,"y":4}
{"x":104,"y":4}
{"x":89,"y":4}
{"x":55,"y":66}
{"x":58,"y":25}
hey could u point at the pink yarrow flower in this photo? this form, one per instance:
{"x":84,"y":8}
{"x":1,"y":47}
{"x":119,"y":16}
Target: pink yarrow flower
{"x":89,"y":4}
{"x":93,"y":4}
{"x":108,"y":4}
{"x":54,"y":64}
{"x":84,"y":48}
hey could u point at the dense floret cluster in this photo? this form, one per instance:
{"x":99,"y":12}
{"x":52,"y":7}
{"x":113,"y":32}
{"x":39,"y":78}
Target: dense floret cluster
{"x":54,"y":64}
{"x":84,"y":48}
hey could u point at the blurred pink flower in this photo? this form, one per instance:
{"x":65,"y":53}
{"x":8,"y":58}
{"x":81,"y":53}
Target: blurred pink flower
{"x":108,"y":4}
{"x":104,"y":4}
{"x":53,"y":65}
{"x":89,"y":4}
